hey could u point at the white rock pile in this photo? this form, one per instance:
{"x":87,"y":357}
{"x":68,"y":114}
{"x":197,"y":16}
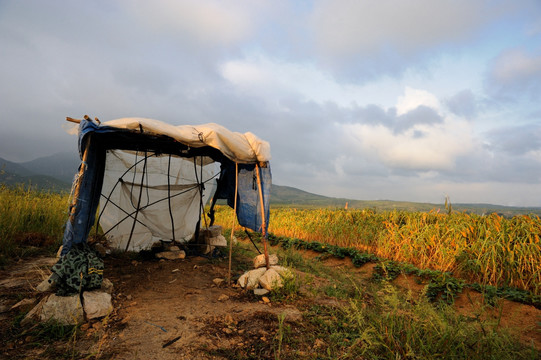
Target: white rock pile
{"x":262,"y":280}
{"x":74,"y":309}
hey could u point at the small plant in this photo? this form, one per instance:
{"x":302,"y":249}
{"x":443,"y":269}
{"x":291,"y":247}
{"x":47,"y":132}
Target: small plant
{"x":386,"y":270}
{"x":283,"y":331}
{"x":444,"y":287}
{"x":289,"y":290}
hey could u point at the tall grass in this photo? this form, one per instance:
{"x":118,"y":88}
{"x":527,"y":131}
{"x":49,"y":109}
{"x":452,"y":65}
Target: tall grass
{"x":388,"y":325}
{"x":24,"y":212}
{"x":489,"y":250}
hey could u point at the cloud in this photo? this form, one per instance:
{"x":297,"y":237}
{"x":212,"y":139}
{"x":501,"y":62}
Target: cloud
{"x":516,"y":140}
{"x":203,"y":22}
{"x":418,"y":138}
{"x":371,"y":38}
{"x":414,"y":98}
{"x":515,"y":74}
{"x":463,"y":104}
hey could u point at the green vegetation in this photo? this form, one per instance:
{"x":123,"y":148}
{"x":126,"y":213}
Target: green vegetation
{"x":489,"y":250}
{"x":391,"y":325}
{"x":345,"y":317}
{"x":29,"y":220}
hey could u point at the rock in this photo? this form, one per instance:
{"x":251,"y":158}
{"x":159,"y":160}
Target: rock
{"x":271,"y":279}
{"x":219,"y":241}
{"x":171,"y":255}
{"x":67,"y":310}
{"x":283,"y":271}
{"x":259,"y":260}
{"x":107,"y":286}
{"x":24,"y":303}
{"x":97,"y":304}
{"x":46,"y":285}
{"x":292,"y":315}
{"x":250,"y":279}
{"x":174,"y":248}
{"x":34,"y":314}
{"x":261,"y":292}
{"x":212,"y":231}
{"x":218,"y":281}
{"x":223,"y":297}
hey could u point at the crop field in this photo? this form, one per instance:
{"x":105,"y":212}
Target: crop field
{"x":376,"y":318}
{"x":30,"y":216}
{"x":488,"y":250}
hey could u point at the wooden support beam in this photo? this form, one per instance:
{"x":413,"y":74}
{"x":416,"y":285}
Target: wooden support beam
{"x":233,"y":224}
{"x":263,"y":219}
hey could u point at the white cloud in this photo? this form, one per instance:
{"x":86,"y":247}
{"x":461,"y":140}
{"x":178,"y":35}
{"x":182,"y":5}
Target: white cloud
{"x":206,"y":22}
{"x":516,"y":65}
{"x":414,"y":98}
{"x":423,"y":147}
{"x":344,"y":28}
{"x":274,"y":79}
{"x":515,"y":75}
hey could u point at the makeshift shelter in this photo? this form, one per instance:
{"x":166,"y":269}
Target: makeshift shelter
{"x":151,"y":180}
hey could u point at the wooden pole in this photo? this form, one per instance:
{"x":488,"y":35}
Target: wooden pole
{"x":73,"y":207}
{"x":263,"y":219}
{"x":77,"y":121}
{"x":233,"y":224}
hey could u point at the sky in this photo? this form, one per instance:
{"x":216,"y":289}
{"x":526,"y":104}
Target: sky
{"x":410,"y":100}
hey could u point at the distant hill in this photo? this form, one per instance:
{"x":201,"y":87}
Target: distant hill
{"x":292,"y":197}
{"x":13,"y":174}
{"x":14,"y":168}
{"x":61,"y":166}
{"x":55,"y":172}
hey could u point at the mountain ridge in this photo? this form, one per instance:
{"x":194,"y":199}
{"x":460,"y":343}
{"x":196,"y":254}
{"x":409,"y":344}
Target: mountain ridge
{"x":55,"y":172}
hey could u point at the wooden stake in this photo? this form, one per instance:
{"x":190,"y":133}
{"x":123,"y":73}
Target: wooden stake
{"x":233,"y":224}
{"x":263,"y":219}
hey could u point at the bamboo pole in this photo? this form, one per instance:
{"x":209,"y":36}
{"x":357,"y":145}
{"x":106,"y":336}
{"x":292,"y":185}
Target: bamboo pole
{"x":233,"y":224}
{"x":263,"y":219}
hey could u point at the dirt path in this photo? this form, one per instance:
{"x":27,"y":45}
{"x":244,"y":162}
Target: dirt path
{"x":178,"y":302}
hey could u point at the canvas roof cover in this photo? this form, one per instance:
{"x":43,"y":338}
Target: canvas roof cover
{"x":242,"y":148}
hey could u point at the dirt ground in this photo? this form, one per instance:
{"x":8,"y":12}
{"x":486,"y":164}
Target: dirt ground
{"x":172,"y":309}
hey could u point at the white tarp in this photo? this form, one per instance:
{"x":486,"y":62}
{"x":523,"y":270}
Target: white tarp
{"x":241,"y":148}
{"x":183,"y":193}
